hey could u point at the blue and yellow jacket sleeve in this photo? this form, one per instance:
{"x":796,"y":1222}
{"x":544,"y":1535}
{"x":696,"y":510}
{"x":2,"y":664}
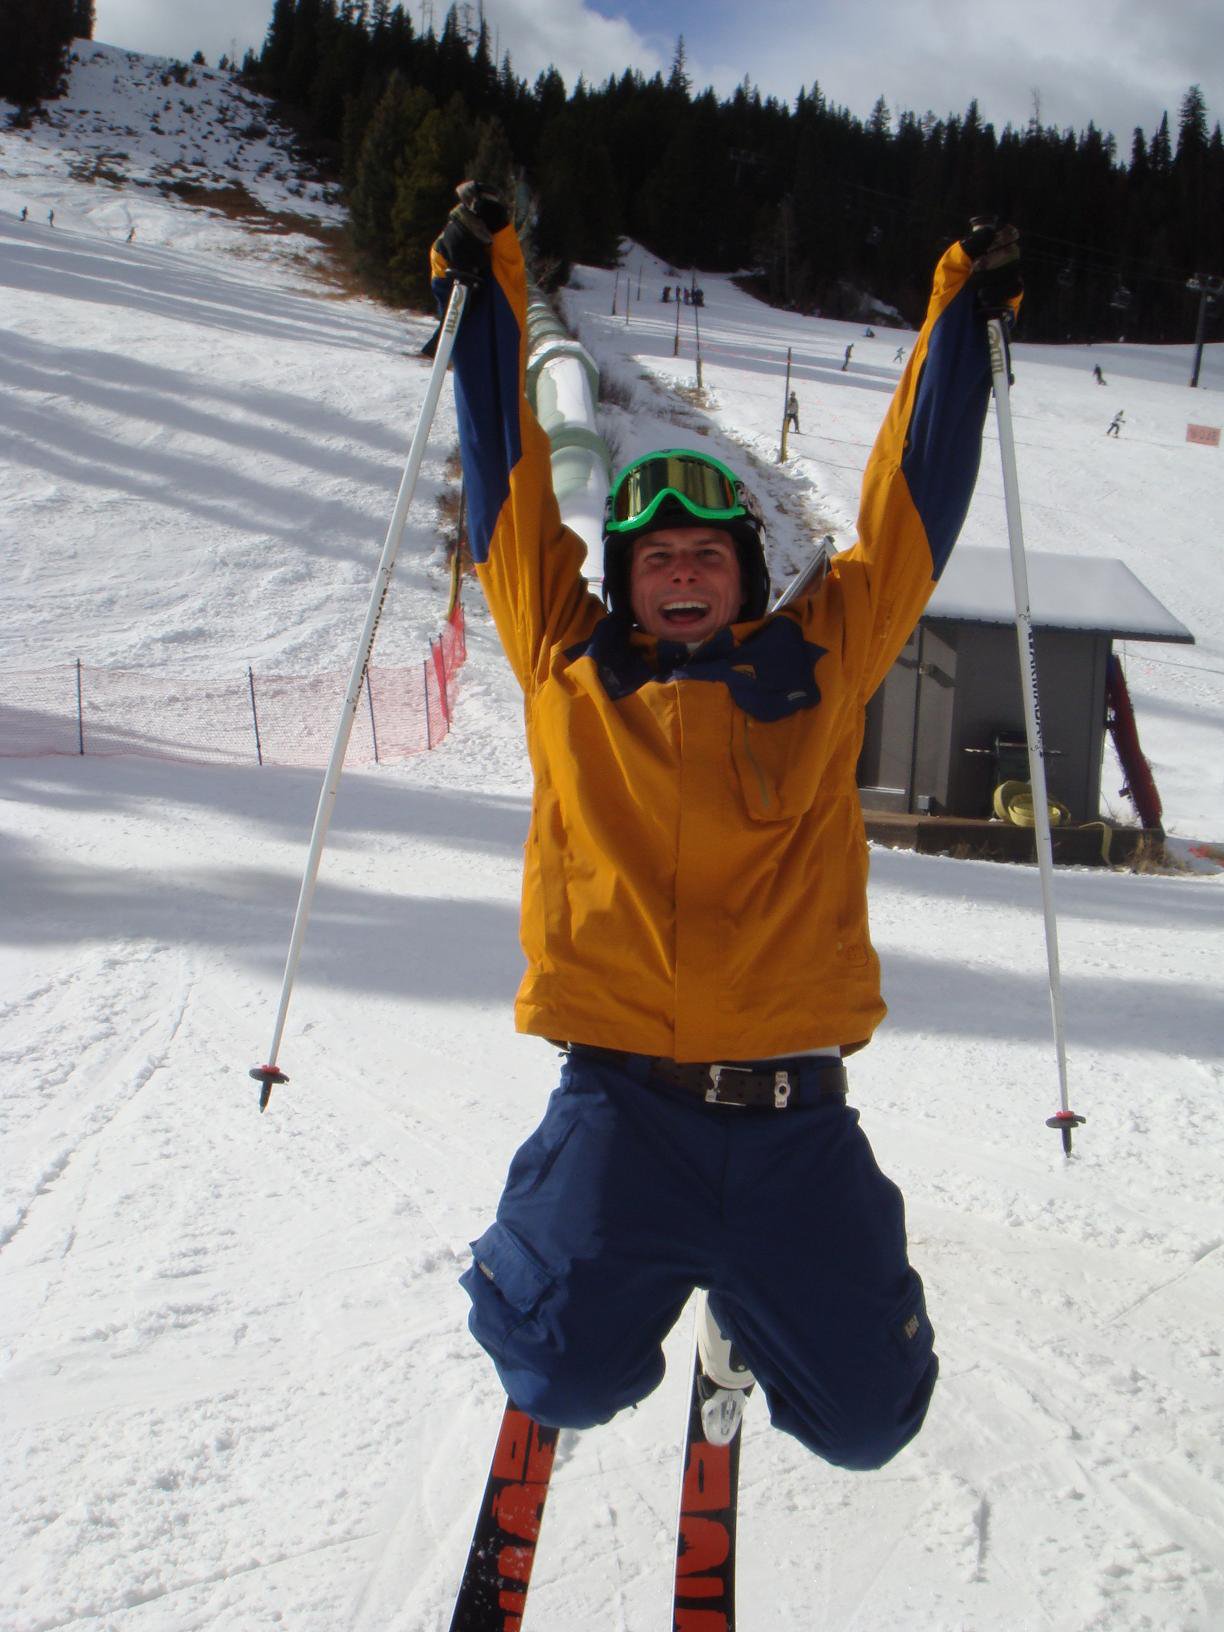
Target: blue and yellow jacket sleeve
{"x":529,"y":564}
{"x":920,"y":477}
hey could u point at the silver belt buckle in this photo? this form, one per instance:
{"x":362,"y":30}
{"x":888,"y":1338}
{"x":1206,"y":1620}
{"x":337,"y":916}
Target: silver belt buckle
{"x":712,"y":1093}
{"x":782,"y":1090}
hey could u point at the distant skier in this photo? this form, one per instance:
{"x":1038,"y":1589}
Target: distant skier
{"x":1115,"y":424}
{"x":667,"y":294}
{"x":694,"y":911}
{"x":846,"y":359}
{"x":792,"y":411}
{"x":50,"y":218}
{"x":899,"y":355}
{"x":1097,"y":375}
{"x":868,"y":334}
{"x":131,"y":234}
{"x":25,"y":210}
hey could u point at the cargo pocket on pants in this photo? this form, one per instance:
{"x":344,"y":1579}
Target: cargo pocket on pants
{"x":911,"y":1328}
{"x":506,"y":1284}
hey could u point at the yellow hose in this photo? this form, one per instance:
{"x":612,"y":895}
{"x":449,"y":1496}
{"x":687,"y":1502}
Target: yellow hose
{"x":1013,"y":802}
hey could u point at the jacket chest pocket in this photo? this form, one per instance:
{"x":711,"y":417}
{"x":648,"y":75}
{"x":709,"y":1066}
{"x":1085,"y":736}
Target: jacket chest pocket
{"x":779,"y":764}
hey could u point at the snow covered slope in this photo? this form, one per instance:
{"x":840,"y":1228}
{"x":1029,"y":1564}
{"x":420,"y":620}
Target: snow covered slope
{"x":236,"y":1390}
{"x":150,"y":122}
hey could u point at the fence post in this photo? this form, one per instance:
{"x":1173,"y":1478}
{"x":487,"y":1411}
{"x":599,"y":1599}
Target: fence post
{"x":254,"y":713}
{"x":440,"y":667}
{"x":428,"y":720}
{"x":369,"y":681}
{"x":80,"y":712}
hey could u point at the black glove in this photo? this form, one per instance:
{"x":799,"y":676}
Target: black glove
{"x":485,"y":203}
{"x":995,"y":253}
{"x":465,"y":239}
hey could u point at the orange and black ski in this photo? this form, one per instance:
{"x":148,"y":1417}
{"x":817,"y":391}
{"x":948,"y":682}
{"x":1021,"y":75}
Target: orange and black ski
{"x":705,"y":1541}
{"x":493,"y":1593}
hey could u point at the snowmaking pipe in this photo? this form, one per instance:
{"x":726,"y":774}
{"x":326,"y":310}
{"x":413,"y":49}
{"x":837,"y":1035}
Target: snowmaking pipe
{"x":563,"y":389}
{"x":271,"y":1073}
{"x":1064,"y":1120}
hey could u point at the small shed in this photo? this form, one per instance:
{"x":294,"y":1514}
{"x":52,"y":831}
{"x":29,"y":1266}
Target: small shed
{"x":947,"y":725}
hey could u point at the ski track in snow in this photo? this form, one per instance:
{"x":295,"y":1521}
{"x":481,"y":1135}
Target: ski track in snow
{"x":237,"y":1385}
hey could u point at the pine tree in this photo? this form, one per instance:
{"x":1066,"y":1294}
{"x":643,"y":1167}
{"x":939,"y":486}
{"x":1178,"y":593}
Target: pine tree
{"x":493,"y":160}
{"x":278,"y":46}
{"x":34,"y":40}
{"x":385,"y":151}
{"x":1196,"y":215}
{"x":1192,"y":128}
{"x":424,"y":194}
{"x":678,"y":79}
{"x":1159,"y":151}
{"x":304,"y":58}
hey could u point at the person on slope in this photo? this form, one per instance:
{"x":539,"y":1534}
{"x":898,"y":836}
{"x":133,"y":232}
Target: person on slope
{"x":694,"y":898}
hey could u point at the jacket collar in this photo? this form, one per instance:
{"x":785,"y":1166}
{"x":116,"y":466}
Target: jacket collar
{"x":767,"y":666}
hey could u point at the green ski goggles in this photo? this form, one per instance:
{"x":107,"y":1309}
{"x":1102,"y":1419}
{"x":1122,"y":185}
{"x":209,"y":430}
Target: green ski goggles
{"x":704,"y":486}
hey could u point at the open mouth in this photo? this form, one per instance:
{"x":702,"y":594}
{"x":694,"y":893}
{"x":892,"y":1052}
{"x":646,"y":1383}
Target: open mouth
{"x":682,"y":613}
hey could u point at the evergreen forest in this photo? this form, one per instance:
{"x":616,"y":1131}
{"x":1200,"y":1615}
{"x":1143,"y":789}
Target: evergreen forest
{"x":812,"y":203}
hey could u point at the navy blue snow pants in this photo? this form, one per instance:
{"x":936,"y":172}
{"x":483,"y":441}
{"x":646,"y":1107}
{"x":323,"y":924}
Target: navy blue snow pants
{"x":629,"y":1195}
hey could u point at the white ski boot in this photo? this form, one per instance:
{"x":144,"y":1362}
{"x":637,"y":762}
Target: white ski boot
{"x":725,"y":1380}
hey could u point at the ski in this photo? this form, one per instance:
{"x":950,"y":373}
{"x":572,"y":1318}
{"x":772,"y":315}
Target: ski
{"x":493,"y":1593}
{"x":704,"y":1598}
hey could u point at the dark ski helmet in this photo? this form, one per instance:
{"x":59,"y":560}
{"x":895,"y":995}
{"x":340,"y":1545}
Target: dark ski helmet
{"x":679,"y":487}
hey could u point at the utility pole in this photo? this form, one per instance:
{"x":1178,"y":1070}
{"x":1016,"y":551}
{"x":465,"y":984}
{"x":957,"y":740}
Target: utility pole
{"x":1207,"y":289}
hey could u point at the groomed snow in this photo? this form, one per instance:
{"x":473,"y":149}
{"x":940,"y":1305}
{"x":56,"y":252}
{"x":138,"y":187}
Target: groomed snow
{"x":238,"y":1392}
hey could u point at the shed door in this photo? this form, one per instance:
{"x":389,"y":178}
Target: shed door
{"x":933,"y":720}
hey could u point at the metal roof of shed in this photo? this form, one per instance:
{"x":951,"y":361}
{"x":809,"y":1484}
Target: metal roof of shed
{"x":1100,"y":595}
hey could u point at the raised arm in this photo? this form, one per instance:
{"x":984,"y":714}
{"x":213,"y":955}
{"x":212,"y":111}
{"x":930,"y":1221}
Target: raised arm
{"x":528,"y":563}
{"x":923,"y":468}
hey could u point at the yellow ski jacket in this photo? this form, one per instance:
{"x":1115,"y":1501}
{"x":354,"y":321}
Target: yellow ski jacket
{"x":695,"y":881}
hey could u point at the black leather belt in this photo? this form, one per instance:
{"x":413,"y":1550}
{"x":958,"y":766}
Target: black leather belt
{"x":771,"y":1087}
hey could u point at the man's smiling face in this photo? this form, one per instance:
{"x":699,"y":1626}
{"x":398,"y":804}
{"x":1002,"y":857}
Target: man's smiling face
{"x":685,"y":582}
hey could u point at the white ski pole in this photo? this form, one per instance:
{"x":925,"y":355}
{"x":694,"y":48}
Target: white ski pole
{"x":270,"y":1073}
{"x":1064,"y":1119}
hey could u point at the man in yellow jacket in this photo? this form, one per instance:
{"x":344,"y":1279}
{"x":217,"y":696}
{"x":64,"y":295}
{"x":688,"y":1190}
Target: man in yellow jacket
{"x":694,"y":912}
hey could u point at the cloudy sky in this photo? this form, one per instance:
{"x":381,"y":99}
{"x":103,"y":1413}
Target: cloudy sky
{"x":1118,"y":62}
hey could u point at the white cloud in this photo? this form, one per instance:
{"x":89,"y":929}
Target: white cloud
{"x":1120,"y":63}
{"x":535,"y":33}
{"x":571,"y":37}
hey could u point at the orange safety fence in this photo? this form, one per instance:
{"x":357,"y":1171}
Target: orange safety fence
{"x":268,"y":719}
